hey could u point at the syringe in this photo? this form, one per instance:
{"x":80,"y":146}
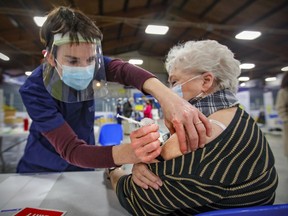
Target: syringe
{"x":129,"y":120}
{"x":143,"y":122}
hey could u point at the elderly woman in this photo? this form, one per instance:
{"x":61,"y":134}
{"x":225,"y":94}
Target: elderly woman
{"x":236,"y":166}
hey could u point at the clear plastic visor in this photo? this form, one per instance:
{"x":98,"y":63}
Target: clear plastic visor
{"x":74,"y":71}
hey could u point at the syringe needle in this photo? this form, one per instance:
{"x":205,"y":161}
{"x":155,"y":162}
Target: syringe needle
{"x":144,"y":122}
{"x":129,"y":120}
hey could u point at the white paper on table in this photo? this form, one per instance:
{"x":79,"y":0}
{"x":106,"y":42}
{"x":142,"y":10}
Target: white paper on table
{"x":19,"y":191}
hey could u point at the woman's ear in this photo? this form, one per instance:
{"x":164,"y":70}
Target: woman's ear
{"x":208,"y":79}
{"x":51,"y":60}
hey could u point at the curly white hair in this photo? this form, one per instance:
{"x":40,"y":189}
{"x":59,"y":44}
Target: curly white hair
{"x":206,"y":55}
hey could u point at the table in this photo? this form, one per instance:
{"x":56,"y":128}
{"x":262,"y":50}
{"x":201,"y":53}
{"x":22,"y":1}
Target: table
{"x":14,"y":133}
{"x":8,"y":132}
{"x":78,"y":193}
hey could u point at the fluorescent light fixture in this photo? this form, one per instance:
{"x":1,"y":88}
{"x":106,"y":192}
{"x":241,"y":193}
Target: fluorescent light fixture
{"x":270,"y":79}
{"x":243,"y":78}
{"x":248,"y":35}
{"x":136,"y":61}
{"x":28,"y":73}
{"x":284,"y":68}
{"x":39,"y":20}
{"x":247,"y":66}
{"x":156,"y":29}
{"x":98,"y":84}
{"x":4,"y":57}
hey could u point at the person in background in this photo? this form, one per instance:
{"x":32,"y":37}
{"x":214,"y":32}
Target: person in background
{"x":236,"y":166}
{"x":128,"y":108}
{"x":119,"y":111}
{"x":147,"y":109}
{"x":127,"y":112}
{"x":282,"y":109}
{"x":1,"y":101}
{"x":59,"y":98}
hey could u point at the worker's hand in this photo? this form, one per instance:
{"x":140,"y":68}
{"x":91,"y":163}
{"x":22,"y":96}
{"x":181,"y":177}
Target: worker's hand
{"x":189,"y":123}
{"x":145,"y":143}
{"x":144,"y":178}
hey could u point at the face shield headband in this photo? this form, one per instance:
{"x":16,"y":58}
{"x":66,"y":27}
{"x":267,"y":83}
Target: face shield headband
{"x":75,"y":71}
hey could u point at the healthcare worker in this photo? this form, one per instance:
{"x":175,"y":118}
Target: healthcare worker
{"x":59,"y":98}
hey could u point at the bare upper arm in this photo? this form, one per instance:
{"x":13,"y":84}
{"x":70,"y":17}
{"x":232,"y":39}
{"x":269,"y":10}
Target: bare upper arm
{"x":171,"y":148}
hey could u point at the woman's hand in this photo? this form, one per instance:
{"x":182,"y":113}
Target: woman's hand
{"x":144,"y":178}
{"x":145,"y":143}
{"x":190,"y":125}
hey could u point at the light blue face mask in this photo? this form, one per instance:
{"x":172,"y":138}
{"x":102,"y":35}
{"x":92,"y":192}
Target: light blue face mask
{"x":77,"y":78}
{"x":178,"y":88}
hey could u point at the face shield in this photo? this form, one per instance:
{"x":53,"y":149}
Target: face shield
{"x":75,"y":71}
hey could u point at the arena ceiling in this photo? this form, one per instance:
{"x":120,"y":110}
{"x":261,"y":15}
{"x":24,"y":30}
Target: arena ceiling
{"x":123,"y":24}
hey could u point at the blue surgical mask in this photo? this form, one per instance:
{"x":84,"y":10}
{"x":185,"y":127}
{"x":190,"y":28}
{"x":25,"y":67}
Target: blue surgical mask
{"x":77,"y":78}
{"x":178,"y":88}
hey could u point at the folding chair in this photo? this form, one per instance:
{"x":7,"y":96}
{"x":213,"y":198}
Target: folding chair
{"x":269,"y":210}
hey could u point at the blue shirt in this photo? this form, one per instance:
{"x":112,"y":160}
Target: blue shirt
{"x":47,"y":114}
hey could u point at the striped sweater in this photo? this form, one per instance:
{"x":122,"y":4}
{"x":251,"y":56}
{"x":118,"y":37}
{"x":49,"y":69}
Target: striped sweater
{"x":234,"y":170}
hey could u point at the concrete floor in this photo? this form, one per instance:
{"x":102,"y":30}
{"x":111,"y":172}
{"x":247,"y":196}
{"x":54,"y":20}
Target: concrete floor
{"x":12,"y":157}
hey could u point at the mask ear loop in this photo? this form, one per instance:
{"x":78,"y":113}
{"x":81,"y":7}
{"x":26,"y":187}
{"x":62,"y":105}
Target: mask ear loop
{"x":197,"y":98}
{"x":57,"y":63}
{"x":200,"y":95}
{"x":195,"y":77}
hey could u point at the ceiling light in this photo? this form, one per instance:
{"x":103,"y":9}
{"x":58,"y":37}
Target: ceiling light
{"x":243,"y":78}
{"x":4,"y":57}
{"x":284,"y":68}
{"x":269,"y":79}
{"x":39,"y":20}
{"x":98,"y":84}
{"x":136,"y":61}
{"x":28,"y":73}
{"x":247,"y":66}
{"x":156,"y":29}
{"x":248,"y":35}
{"x":243,"y":84}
